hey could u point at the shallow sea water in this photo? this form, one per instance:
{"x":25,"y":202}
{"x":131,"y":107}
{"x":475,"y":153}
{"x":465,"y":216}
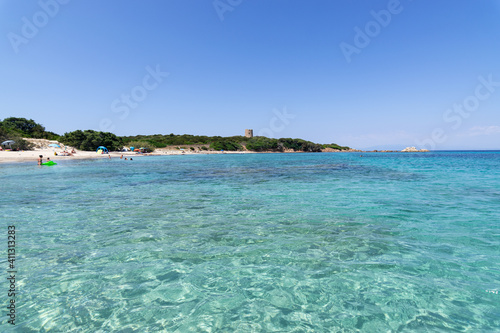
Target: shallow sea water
{"x":257,"y":243}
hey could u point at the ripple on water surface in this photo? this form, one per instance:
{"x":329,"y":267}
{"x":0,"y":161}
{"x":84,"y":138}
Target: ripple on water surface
{"x":258,"y":243}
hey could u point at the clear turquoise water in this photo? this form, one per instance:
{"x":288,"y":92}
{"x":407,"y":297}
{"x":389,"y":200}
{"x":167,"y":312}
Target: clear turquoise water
{"x":257,"y":243}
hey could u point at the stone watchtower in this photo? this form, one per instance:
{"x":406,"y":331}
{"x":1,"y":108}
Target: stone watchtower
{"x":249,"y":133}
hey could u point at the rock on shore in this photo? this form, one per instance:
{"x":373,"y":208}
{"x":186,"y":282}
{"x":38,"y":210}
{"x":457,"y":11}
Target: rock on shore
{"x":413,"y":150}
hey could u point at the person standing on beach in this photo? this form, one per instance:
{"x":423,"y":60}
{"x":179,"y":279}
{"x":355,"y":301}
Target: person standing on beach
{"x":40,"y":157}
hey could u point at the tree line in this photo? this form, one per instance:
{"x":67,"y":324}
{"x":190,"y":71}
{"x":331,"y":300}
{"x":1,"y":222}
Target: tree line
{"x":17,"y":128}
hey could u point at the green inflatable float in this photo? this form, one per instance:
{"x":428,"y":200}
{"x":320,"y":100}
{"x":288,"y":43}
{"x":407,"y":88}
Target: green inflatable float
{"x":49,"y":163}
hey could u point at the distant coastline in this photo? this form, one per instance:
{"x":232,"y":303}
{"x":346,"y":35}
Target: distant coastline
{"x":41,"y":147}
{"x":29,"y":139}
{"x":22,"y":133}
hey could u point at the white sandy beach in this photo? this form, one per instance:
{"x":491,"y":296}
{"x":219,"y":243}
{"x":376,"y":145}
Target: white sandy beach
{"x":32,"y":155}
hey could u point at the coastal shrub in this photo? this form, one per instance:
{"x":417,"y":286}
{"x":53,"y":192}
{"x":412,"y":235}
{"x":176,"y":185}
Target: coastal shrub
{"x":23,"y":126}
{"x":20,"y":143}
{"x":4,"y":135}
{"x":160,"y":141}
{"x":222,"y":144}
{"x":335,"y":146}
{"x":142,"y":144}
{"x":90,"y":140}
{"x":261,"y":143}
{"x":300,"y":145}
{"x":26,"y":128}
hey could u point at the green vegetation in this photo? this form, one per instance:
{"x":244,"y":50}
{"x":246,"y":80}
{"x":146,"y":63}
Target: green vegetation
{"x":90,"y":140}
{"x":161,"y":141}
{"x":225,"y":144}
{"x":232,"y":143}
{"x":299,"y":145}
{"x":261,"y":143}
{"x":19,"y":144}
{"x":142,"y":144}
{"x":335,"y":146}
{"x":17,"y":128}
{"x":24,"y":128}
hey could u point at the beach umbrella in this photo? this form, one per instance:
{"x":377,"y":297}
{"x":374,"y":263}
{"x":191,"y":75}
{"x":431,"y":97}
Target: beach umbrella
{"x":54,"y":145}
{"x":8,"y":143}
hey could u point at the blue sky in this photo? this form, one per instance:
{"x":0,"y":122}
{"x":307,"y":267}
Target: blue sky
{"x":368,"y":74}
